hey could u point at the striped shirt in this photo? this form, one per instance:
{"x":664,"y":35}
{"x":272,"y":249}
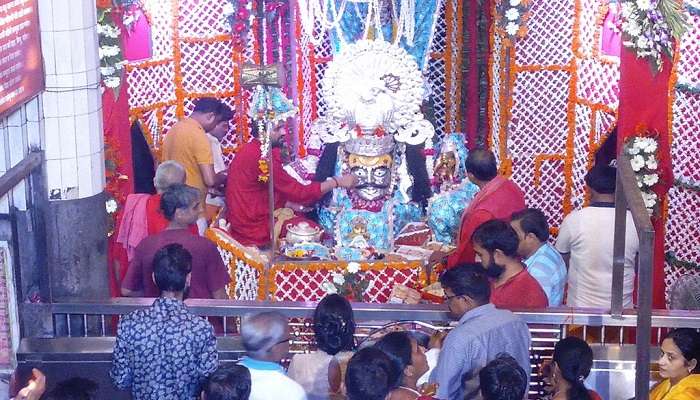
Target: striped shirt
{"x":547,"y":266}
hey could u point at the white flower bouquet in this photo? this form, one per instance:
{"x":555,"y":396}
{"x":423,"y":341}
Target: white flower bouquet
{"x":350,"y":283}
{"x":109,"y":51}
{"x":650,"y":26}
{"x":642,"y":151}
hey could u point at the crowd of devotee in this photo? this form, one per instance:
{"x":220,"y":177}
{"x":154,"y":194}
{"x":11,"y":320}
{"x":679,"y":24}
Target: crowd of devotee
{"x":505,"y":259}
{"x":527,"y":269}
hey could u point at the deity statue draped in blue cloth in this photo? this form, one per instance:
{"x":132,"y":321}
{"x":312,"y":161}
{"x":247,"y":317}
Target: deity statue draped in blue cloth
{"x":453,"y":190}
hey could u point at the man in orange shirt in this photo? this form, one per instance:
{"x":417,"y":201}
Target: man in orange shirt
{"x":496,"y":244}
{"x":187,"y":143}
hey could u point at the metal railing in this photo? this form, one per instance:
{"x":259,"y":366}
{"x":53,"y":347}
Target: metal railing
{"x":435,"y":313}
{"x":628,"y":195}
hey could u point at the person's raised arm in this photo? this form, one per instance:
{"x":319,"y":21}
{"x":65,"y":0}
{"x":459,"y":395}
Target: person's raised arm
{"x":209,"y":177}
{"x":344,"y":181}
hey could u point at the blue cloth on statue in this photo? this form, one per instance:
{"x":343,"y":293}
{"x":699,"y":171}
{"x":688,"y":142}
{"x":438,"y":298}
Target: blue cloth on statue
{"x":445,"y":211}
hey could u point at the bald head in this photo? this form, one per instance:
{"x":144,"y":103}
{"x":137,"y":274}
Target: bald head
{"x":168,"y":173}
{"x":481,"y":163}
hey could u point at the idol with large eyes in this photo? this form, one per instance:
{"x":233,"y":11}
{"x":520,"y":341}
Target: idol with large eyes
{"x":373,"y":174}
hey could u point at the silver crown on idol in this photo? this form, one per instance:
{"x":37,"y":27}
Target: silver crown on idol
{"x":370,"y":146}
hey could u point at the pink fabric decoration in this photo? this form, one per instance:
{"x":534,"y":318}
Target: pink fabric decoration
{"x":137,"y":40}
{"x":134,"y":225}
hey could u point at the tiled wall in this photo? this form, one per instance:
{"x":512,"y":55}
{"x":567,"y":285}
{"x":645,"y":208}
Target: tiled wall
{"x":72,"y":107}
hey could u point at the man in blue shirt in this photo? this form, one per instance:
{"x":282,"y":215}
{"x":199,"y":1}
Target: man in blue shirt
{"x":482,"y":334}
{"x":541,"y":259}
{"x":165,"y":351}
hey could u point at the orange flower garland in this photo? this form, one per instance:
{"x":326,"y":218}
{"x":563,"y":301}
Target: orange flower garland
{"x":264,"y":170}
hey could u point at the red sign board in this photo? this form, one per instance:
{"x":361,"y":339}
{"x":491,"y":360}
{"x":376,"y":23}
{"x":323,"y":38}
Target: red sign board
{"x":21,"y":70}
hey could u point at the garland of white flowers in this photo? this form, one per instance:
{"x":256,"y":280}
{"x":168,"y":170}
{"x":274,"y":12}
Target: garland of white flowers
{"x":328,"y":15}
{"x":643,"y":158}
{"x":650,"y":27}
{"x":109,"y":51}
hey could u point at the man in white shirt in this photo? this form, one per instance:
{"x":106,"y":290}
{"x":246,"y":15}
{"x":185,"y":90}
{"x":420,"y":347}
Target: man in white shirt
{"x":215,"y":197}
{"x":266,"y":339}
{"x":586,"y":242}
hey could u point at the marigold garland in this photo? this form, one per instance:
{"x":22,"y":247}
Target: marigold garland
{"x":177,"y":62}
{"x":539,"y":160}
{"x":264,"y":170}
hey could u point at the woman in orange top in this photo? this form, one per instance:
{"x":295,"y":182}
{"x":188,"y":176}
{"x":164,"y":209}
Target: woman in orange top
{"x":678,"y":365}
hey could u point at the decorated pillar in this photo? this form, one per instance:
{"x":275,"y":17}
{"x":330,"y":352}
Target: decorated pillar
{"x":645,"y":71}
{"x":75,"y":173}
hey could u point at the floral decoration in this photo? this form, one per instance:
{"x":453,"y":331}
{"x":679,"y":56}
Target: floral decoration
{"x":129,"y":11}
{"x":115,"y":185}
{"x":512,"y":16}
{"x":642,"y":151}
{"x":239,"y":15}
{"x":350,"y":283}
{"x":650,"y":26}
{"x":110,"y":51}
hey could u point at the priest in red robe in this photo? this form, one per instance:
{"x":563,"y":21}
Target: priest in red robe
{"x":498,"y":198}
{"x":247,"y":196}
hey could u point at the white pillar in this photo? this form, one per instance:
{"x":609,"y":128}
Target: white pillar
{"x":72,"y":103}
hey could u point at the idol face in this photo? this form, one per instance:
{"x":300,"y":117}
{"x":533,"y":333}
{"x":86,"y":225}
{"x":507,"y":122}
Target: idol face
{"x":373,"y":175}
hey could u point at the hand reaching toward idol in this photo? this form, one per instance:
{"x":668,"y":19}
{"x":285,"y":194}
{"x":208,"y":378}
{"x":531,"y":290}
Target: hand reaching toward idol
{"x":346,"y":181}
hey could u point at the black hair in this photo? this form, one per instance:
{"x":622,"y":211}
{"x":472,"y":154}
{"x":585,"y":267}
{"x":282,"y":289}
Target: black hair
{"x":73,"y":389}
{"x":225,"y":113}
{"x":397,"y":345}
{"x":334,"y":324}
{"x":228,"y":382}
{"x":574,"y":358}
{"x":497,"y":235}
{"x":415,"y":163}
{"x":177,"y":196}
{"x":533,"y":221}
{"x":467,"y":280}
{"x":141,"y":161}
{"x":482,"y":164}
{"x":601,"y":178}
{"x":688,"y":342}
{"x":369,"y":375}
{"x":207,"y":105}
{"x":171,"y":264}
{"x":503,"y":379}
{"x":607,"y":152}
